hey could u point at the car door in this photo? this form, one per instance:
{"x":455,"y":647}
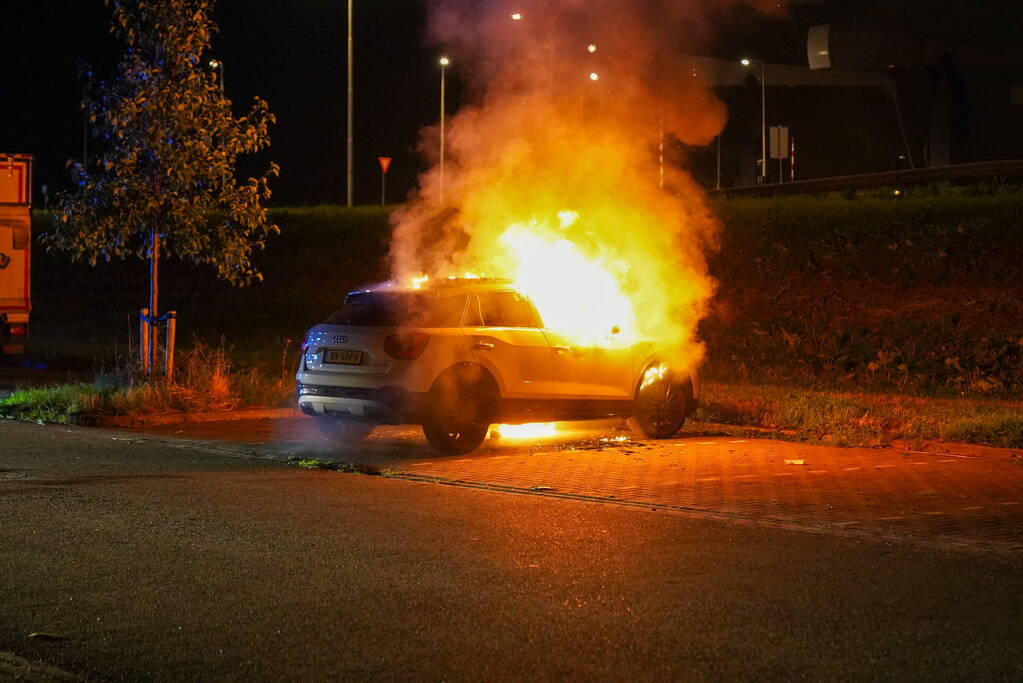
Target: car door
{"x":505,"y":336}
{"x":591,"y":367}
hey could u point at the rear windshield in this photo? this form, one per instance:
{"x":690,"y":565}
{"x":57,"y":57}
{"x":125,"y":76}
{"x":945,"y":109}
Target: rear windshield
{"x":399,"y":309}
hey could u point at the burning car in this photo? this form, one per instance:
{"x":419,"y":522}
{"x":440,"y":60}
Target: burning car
{"x":458,"y":355}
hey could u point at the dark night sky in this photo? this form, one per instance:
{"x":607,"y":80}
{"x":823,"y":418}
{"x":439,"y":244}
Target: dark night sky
{"x":291,"y":52}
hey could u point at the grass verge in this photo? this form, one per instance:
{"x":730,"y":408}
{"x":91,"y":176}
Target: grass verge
{"x":861,"y":419}
{"x":205,"y":381}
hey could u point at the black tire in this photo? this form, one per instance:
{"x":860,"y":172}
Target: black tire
{"x":460,"y":411}
{"x":662,"y":405}
{"x":344,"y":430}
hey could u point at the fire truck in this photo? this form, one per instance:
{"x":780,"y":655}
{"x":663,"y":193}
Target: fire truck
{"x":15,"y":250}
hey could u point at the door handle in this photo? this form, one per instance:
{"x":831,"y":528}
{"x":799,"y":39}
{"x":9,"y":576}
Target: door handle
{"x":562,"y":349}
{"x":482,"y":346}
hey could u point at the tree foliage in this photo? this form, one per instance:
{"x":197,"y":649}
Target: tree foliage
{"x":169,"y":143}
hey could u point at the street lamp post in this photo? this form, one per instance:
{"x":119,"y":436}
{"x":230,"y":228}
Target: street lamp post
{"x":444,"y":61}
{"x":763,"y":118}
{"x":218,"y":65}
{"x":349,"y":153}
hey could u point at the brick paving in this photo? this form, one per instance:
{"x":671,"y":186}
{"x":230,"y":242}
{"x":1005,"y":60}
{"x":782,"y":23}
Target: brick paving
{"x":957,"y":499}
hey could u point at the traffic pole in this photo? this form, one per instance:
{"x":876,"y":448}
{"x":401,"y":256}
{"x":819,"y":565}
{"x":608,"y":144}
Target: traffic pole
{"x":385,"y":163}
{"x":792,"y":157}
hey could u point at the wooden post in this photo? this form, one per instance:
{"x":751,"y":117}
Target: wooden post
{"x":144,"y":338}
{"x":172,"y":328}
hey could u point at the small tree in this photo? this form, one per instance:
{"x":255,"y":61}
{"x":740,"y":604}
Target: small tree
{"x":164,"y":178}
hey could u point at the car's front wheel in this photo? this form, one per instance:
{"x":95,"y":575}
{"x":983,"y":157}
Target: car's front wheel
{"x":344,"y":430}
{"x":662,"y":402}
{"x":460,"y":409}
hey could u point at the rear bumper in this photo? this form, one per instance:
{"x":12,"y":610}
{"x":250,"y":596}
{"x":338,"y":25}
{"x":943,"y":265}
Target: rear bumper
{"x":395,"y":405}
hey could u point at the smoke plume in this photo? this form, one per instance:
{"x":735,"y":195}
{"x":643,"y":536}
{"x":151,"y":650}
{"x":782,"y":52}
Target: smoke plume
{"x":552,"y":174}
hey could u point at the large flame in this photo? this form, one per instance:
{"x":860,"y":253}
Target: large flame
{"x":553,"y":179}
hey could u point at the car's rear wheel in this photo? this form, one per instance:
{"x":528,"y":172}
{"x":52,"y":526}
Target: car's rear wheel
{"x":662,"y":402}
{"x":460,"y":410}
{"x":344,"y":430}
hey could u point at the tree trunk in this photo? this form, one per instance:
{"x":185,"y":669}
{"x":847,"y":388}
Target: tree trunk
{"x":154,"y":292}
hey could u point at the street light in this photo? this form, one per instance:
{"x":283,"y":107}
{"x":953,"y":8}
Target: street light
{"x":218,"y":65}
{"x":350,"y":149}
{"x":763,"y":117}
{"x":444,"y":61}
{"x":517,"y":16}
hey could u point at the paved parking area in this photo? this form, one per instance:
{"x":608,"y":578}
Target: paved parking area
{"x":947,"y":499}
{"x":888,"y":492}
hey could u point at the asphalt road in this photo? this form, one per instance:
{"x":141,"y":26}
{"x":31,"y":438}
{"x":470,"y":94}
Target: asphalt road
{"x":159,"y":557}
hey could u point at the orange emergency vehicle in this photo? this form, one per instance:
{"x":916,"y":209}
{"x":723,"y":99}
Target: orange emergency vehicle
{"x":15,"y":251}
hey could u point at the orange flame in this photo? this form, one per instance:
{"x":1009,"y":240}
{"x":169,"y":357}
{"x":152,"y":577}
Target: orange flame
{"x":533,"y":430}
{"x":553,"y":180}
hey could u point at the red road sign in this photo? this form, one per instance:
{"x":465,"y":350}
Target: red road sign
{"x":385,"y":163}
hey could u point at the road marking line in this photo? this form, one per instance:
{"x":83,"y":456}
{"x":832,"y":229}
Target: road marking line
{"x":1014,"y":502}
{"x":818,"y":471}
{"x":949,"y":460}
{"x":739,"y":441}
{"x":745,"y":476}
{"x":784,"y":474}
{"x":934,"y":512}
{"x":710,"y":479}
{"x":851,"y":469}
{"x":669,"y":483}
{"x":882,"y":467}
{"x":975,"y":507}
{"x":846,"y":523}
{"x":706,"y":443}
{"x":889,"y":519}
{"x":919,"y":463}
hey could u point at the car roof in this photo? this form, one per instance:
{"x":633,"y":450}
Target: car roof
{"x":446,"y":286}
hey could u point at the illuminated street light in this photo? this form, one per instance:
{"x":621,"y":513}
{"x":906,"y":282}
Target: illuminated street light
{"x":218,"y":65}
{"x":591,"y":48}
{"x":763,"y":117}
{"x":594,"y":76}
{"x":444,"y":61}
{"x":516,"y":17}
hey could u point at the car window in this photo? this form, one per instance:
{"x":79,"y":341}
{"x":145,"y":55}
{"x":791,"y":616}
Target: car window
{"x":473,"y":314}
{"x":397,"y":309}
{"x":506,"y":309}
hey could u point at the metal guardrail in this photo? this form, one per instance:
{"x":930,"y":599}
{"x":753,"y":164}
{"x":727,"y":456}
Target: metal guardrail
{"x":984,"y":170}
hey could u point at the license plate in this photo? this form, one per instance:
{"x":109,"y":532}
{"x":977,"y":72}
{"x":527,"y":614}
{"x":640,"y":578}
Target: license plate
{"x":342,"y":356}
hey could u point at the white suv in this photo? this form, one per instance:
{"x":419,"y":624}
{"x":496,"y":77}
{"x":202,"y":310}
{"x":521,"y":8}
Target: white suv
{"x":462,"y":354}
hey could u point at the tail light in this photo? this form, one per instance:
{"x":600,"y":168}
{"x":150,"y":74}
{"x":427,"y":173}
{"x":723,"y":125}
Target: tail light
{"x":406,"y":346}
{"x":18,"y":330}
